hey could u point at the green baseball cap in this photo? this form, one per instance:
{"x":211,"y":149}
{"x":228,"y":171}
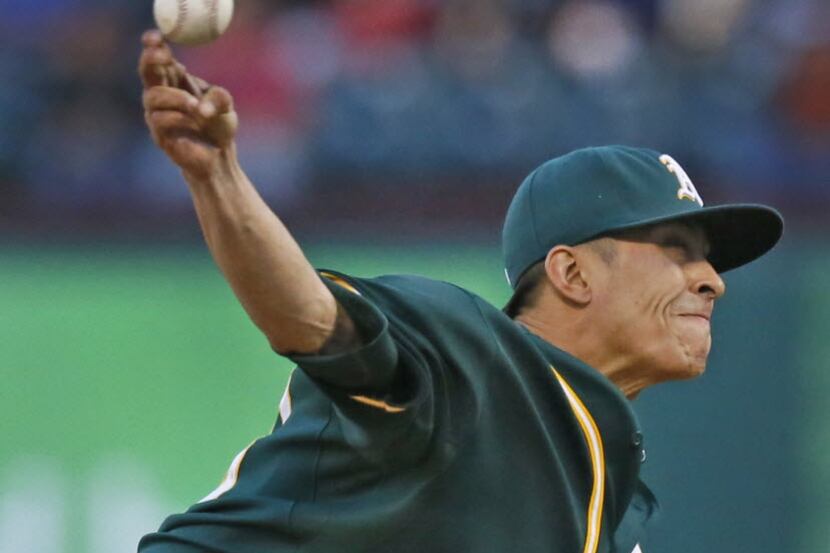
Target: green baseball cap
{"x":593,"y":192}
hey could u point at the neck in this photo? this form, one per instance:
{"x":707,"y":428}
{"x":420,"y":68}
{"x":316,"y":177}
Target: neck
{"x":589,"y":348}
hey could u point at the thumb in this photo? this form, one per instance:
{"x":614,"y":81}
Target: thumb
{"x":219,"y":119}
{"x":216,"y":101}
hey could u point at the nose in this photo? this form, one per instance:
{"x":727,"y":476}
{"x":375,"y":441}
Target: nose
{"x":705,"y":280}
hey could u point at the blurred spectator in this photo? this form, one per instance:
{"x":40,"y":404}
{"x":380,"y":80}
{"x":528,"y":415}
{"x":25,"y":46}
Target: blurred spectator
{"x":617,"y":93}
{"x":806,"y":95}
{"x":702,"y":25}
{"x":76,"y":153}
{"x":375,"y":112}
{"x":614,"y":46}
{"x":499,"y":102}
{"x":806,"y":104}
{"x":467,"y":93}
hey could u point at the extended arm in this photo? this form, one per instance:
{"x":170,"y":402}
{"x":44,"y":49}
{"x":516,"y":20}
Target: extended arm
{"x":195,"y":124}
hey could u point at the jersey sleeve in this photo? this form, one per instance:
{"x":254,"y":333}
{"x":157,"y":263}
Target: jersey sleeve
{"x":402,"y":384}
{"x":369,"y":368}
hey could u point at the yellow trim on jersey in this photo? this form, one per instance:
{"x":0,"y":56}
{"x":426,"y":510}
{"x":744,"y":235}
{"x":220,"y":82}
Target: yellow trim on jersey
{"x":378,"y":404}
{"x":340,"y":281}
{"x":594,"y":440}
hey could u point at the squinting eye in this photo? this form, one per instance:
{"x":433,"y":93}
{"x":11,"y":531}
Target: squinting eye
{"x":676,"y":244}
{"x":682,"y":248}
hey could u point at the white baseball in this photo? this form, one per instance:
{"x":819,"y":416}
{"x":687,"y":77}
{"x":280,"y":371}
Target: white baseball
{"x":192,"y":21}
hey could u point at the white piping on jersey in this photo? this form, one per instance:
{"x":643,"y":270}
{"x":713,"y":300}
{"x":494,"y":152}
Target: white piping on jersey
{"x":285,"y":402}
{"x":637,"y":549}
{"x":230,"y":478}
{"x":594,"y":441}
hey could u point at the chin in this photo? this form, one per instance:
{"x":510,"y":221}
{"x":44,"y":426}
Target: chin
{"x":692,"y":368}
{"x":689,"y":359}
{"x":684,"y":368}
{"x":683,"y":373}
{"x":696,"y":370}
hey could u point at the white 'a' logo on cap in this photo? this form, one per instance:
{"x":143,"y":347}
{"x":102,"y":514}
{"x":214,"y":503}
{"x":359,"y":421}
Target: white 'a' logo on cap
{"x":687,"y":190}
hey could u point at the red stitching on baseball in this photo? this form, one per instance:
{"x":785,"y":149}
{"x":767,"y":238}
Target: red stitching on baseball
{"x":181,"y":16}
{"x":213,"y":14}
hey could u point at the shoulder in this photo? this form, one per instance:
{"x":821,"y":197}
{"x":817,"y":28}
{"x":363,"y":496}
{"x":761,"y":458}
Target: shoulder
{"x":417,"y":301}
{"x":406,"y":289}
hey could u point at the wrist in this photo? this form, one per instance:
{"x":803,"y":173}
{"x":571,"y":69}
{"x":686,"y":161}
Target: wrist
{"x":224,"y":167}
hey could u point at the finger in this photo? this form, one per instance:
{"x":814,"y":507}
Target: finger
{"x":167,"y":123}
{"x":176,"y":74}
{"x":172,"y":75}
{"x":168,"y":98}
{"x":195,"y":85}
{"x":152,"y":65}
{"x":152,"y":37}
{"x":202,"y":84}
{"x":157,"y":64}
{"x":216,"y":101}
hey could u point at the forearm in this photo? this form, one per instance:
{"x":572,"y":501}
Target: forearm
{"x":264,"y":265}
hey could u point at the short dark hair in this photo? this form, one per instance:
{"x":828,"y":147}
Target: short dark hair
{"x":529,"y":285}
{"x":527,"y":289}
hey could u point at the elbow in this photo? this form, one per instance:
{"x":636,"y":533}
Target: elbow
{"x":304,"y":330}
{"x":297,"y":344}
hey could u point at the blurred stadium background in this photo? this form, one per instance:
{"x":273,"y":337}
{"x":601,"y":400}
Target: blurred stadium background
{"x":390,"y":135}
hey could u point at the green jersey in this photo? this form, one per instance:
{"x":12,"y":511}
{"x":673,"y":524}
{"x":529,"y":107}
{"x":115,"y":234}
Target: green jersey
{"x":452,"y":429}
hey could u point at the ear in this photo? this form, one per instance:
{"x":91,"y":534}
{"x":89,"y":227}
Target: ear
{"x":567,"y":275}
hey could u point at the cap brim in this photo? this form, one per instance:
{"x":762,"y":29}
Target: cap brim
{"x":738,"y":233}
